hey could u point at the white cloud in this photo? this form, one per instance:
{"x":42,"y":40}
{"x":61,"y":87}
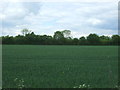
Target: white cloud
{"x":95,"y":21}
{"x":14,"y":11}
{"x":46,"y":18}
{"x":60,"y":0}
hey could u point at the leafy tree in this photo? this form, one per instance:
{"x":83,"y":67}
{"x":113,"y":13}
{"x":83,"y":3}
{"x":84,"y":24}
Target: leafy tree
{"x":66,"y":33}
{"x":30,"y":38}
{"x":8,"y":40}
{"x":25,"y":31}
{"x":45,"y":40}
{"x":19,"y":39}
{"x":60,"y":38}
{"x":58,"y":35}
{"x":116,"y":40}
{"x":75,"y":41}
{"x":82,"y":40}
{"x":104,"y":40}
{"x":93,"y":39}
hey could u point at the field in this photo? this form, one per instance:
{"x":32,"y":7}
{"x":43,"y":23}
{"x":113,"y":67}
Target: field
{"x":34,"y":66}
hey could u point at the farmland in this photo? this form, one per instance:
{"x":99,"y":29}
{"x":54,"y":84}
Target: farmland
{"x":34,"y":66}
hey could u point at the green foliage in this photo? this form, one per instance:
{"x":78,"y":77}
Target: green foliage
{"x":60,"y":38}
{"x":58,"y":35}
{"x":66,"y":33}
{"x":59,"y":66}
{"x":93,"y":39}
{"x":75,"y":41}
{"x":82,"y":41}
{"x":105,"y":40}
{"x":116,"y":39}
{"x":25,"y":31}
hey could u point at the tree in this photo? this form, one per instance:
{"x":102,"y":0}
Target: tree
{"x":75,"y":41}
{"x":58,"y":35}
{"x":8,"y":39}
{"x":60,"y":38}
{"x":19,"y":39}
{"x":66,"y":33}
{"x":45,"y":40}
{"x":115,"y":39}
{"x":30,"y":38}
{"x":82,"y":41}
{"x":93,"y":39}
{"x":104,"y":40}
{"x":25,"y":31}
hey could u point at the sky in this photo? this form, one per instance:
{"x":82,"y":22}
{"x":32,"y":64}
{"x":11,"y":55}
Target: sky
{"x":82,"y":18}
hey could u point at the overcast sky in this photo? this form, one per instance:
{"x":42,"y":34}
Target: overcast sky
{"x":82,"y":18}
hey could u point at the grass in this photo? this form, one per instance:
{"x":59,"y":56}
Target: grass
{"x":59,"y":66}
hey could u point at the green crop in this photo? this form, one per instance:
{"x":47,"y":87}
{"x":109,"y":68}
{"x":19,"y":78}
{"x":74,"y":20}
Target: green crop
{"x":34,"y":66}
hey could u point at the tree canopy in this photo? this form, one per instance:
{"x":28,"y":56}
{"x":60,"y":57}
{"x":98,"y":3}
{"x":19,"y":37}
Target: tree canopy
{"x":59,"y":38}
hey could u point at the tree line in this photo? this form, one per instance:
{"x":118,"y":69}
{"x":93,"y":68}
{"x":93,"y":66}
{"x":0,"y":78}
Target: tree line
{"x":59,"y":38}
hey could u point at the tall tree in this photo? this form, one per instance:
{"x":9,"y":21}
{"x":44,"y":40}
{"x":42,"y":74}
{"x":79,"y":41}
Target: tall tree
{"x":75,"y":41}
{"x":93,"y":39}
{"x":104,"y":40}
{"x":58,"y":35}
{"x":116,"y":39}
{"x":25,"y":31}
{"x":66,"y":33}
{"x":82,"y":40}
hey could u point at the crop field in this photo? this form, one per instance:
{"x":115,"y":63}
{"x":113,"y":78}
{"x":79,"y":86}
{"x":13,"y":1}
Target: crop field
{"x":34,"y":66}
